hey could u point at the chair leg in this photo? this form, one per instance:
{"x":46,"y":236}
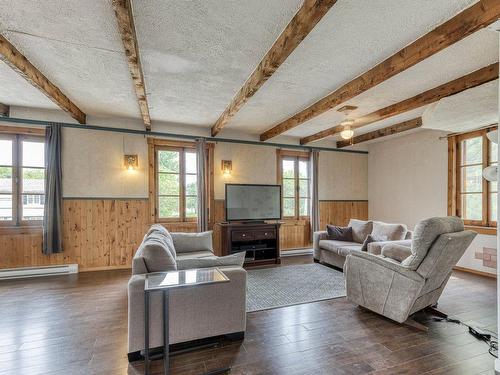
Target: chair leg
{"x":410,"y":322}
{"x":432,"y":310}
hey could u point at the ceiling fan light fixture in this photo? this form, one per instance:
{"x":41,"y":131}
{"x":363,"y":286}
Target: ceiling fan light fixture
{"x":347,"y":132}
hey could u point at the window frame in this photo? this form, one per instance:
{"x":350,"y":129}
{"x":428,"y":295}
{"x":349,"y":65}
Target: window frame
{"x":455,"y":166}
{"x":155,"y":145}
{"x":18,"y":136}
{"x":296,"y":156}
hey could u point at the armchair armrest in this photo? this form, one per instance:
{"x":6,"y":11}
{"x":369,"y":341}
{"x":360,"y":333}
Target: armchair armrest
{"x":389,"y":264}
{"x":396,"y":251}
{"x":381,"y":285}
{"x":190,"y":242}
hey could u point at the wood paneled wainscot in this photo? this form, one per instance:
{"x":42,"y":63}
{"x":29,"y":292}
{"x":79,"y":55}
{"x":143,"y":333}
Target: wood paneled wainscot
{"x":339,"y":212}
{"x":105,"y":233}
{"x":97,"y":234}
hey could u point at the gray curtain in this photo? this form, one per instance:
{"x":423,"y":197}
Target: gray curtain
{"x":314,"y":168}
{"x":201,"y":155}
{"x":52,"y":212}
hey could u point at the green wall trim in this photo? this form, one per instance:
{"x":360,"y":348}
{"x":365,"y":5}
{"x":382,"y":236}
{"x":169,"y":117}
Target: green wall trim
{"x":16,"y":120}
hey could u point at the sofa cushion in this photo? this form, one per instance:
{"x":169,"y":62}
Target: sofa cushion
{"x":195,"y":254}
{"x":190,"y":242}
{"x":371,"y":238}
{"x":375,"y":248}
{"x":339,"y":233}
{"x":156,"y":252}
{"x":360,"y":229}
{"x":230,"y":260}
{"x":334,"y":246}
{"x":389,"y":232}
{"x":424,"y":235}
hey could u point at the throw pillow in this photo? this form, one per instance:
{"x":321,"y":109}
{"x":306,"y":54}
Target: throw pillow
{"x":339,"y":233}
{"x":371,"y":238}
{"x":360,"y":229}
{"x":189,"y":242}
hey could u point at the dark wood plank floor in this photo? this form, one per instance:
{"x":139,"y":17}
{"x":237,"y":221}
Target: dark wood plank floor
{"x":78,"y":325}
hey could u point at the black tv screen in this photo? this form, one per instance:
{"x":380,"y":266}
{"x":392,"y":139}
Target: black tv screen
{"x":253,"y":202}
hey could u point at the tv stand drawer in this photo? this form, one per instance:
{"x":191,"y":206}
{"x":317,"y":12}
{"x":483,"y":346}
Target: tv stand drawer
{"x":240,"y":235}
{"x":265,"y":234}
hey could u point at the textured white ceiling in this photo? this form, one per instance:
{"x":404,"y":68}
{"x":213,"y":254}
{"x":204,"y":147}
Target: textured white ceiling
{"x":466,"y":56}
{"x":76,"y":44}
{"x":468,"y":110}
{"x":196,"y":54}
{"x":353,"y":37}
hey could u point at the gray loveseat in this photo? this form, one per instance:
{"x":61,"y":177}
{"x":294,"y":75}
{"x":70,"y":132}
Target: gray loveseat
{"x":403,"y":280}
{"x":195,"y":313}
{"x":334,"y":252}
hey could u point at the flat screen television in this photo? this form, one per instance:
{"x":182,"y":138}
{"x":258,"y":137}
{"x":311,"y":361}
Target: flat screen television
{"x":247,"y":202}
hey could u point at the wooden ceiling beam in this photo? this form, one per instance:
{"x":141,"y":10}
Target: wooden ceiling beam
{"x":390,"y":130}
{"x":311,"y":12}
{"x":4,"y":110}
{"x":472,"y":19}
{"x":477,"y":78}
{"x":125,"y":18}
{"x":20,"y":64}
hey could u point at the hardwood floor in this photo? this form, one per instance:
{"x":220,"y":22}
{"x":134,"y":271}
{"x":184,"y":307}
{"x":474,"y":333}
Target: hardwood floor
{"x":78,"y":325}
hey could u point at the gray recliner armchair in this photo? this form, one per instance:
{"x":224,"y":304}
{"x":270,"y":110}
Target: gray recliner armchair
{"x":402,"y":280}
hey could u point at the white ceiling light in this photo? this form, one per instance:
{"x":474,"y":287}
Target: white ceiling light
{"x":347,"y":132}
{"x":491,"y":173}
{"x":493,"y":136}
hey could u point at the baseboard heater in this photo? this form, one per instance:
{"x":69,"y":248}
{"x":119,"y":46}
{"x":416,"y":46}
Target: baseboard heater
{"x":18,"y":273}
{"x":289,"y":253}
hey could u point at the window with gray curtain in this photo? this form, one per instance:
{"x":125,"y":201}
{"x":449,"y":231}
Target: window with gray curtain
{"x":22,"y":180}
{"x":52,"y":214}
{"x":201,"y":154}
{"x":314,"y":174}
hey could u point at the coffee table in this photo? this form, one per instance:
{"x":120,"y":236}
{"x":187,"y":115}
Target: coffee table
{"x":164,"y":282}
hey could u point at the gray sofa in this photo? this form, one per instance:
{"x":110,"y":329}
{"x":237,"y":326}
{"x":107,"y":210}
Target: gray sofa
{"x":403,"y":280}
{"x":195,"y":313}
{"x":334,"y":252}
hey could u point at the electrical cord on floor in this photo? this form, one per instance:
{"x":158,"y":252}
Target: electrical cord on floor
{"x":490,"y":338}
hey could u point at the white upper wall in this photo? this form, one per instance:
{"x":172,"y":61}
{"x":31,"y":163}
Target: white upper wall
{"x":407,"y":178}
{"x":343,"y":176}
{"x":251,"y":165}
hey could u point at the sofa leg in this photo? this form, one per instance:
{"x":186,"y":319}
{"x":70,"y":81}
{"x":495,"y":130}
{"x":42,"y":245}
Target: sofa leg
{"x":316,"y":260}
{"x":410,"y":322}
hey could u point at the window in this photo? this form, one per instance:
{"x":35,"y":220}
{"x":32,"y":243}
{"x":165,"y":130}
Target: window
{"x":177,"y":186}
{"x":174,"y":188}
{"x":294,"y":179}
{"x":472,"y":197}
{"x":22,"y":180}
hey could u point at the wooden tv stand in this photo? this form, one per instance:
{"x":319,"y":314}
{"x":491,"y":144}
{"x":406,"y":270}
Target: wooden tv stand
{"x":260,"y":241}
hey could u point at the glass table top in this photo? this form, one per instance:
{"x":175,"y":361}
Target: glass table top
{"x":183,"y":278}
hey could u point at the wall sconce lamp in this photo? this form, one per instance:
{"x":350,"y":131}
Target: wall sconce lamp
{"x":131,"y":162}
{"x":226,"y":167}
